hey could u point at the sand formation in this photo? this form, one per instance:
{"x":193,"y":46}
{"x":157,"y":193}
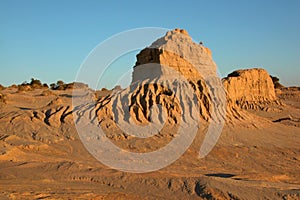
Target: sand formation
{"x":158,"y":66}
{"x":162,"y":70}
{"x":176,"y":56}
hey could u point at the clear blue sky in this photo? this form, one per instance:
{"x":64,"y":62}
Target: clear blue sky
{"x":50,"y":39}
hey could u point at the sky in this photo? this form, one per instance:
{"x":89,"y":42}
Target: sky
{"x":50,"y":39}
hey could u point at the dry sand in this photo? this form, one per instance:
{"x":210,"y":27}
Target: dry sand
{"x":42,"y":157}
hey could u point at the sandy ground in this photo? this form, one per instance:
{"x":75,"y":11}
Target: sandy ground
{"x":41,"y":156}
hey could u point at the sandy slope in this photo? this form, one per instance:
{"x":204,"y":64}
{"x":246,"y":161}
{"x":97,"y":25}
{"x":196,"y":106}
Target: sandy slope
{"x":41,"y":157}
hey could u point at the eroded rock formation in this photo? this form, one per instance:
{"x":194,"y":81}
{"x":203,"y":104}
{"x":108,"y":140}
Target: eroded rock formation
{"x":176,"y":73}
{"x":162,"y":75}
{"x":250,"y":89}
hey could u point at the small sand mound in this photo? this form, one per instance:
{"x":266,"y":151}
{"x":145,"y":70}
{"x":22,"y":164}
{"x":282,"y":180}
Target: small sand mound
{"x":46,"y":93}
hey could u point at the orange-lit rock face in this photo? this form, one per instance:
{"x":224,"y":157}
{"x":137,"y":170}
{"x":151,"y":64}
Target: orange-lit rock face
{"x":177,"y":51}
{"x":250,"y":87}
{"x":208,"y":51}
{"x":168,"y":59}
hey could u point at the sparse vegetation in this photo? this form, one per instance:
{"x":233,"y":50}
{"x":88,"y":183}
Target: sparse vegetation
{"x":60,"y":85}
{"x":24,"y":87}
{"x":276,"y":83}
{"x":34,"y":84}
{"x":45,"y":85}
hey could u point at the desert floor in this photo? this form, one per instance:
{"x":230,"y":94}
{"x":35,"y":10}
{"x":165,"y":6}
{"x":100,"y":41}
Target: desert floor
{"x":42,"y":157}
